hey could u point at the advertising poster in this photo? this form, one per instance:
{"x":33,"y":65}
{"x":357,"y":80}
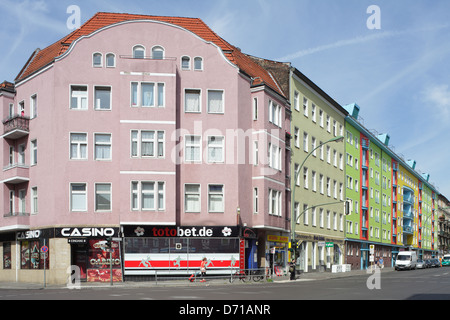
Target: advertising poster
{"x":99,"y":262}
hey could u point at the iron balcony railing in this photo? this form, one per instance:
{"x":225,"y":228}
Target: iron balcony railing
{"x":16,"y":122}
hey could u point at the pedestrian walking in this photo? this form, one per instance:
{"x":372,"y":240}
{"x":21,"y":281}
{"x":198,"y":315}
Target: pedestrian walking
{"x":292,"y":269}
{"x":203,"y":269}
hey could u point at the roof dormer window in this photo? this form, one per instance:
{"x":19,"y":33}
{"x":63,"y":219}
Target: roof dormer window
{"x":185,"y":63}
{"x":158,"y":53}
{"x":198,"y":63}
{"x":110,"y":60}
{"x":138,"y":52}
{"x":97,"y":60}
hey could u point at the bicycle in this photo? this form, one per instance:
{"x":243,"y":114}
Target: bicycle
{"x":248,"y":275}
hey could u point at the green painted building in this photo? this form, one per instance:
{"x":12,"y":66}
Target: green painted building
{"x":392,"y":205}
{"x":317,"y":182}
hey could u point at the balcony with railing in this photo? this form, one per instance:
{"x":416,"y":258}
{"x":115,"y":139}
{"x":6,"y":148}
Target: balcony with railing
{"x":16,"y":174}
{"x":148,"y":65}
{"x":408,"y":230}
{"x":16,"y":127}
{"x":408,"y":198}
{"x":20,"y":220}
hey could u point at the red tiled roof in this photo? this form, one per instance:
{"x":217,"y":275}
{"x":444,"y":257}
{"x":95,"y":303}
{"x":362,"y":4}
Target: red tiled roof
{"x":7,"y":86}
{"x":42,"y":58}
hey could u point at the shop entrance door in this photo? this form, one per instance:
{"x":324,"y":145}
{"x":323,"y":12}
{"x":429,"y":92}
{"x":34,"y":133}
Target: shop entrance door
{"x":251,"y":259}
{"x":79,"y":259}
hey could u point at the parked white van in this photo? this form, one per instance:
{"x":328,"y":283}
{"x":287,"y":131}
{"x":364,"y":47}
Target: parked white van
{"x":406,"y":260}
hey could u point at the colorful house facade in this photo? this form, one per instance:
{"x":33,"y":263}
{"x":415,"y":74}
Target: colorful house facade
{"x":150,"y":154}
{"x":392,"y":205}
{"x":140,"y":147}
{"x":317,"y":170}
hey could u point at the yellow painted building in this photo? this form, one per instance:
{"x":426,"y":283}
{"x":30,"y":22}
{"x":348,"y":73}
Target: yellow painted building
{"x":408,"y":191}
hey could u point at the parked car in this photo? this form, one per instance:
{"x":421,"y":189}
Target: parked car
{"x":446,"y":260}
{"x":428,"y":263}
{"x":421,"y":264}
{"x":435,"y":263}
{"x":406,"y":260}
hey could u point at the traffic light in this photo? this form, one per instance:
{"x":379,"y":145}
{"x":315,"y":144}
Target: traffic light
{"x":108,"y":242}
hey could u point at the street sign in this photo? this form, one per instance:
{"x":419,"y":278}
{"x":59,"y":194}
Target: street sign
{"x":329,"y":244}
{"x":44,"y":249}
{"x":372,"y":249}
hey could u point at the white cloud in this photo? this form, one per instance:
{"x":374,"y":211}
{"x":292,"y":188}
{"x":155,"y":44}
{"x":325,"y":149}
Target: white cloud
{"x":438,"y":97}
{"x":360,"y":40}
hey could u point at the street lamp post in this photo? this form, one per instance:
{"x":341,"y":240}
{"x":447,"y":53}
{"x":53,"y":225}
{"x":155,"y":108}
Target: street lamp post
{"x":296,"y":174}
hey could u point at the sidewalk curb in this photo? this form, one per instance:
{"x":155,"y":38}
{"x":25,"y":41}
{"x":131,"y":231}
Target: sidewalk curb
{"x":304,"y":277}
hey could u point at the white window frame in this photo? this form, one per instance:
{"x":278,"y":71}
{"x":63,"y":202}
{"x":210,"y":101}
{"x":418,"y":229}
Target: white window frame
{"x":12,"y":202}
{"x":305,"y":107}
{"x":195,"y":64}
{"x":255,"y":200}
{"x":79,"y":97}
{"x":33,"y":106}
{"x":94,"y":55}
{"x":78,"y":145}
{"x":296,"y":100}
{"x":193,"y":91}
{"x":222,"y":111}
{"x":275,"y":113}
{"x":189,"y":62}
{"x":33,"y":153}
{"x":296,"y":137}
{"x":220,"y":146}
{"x":191,"y":193}
{"x":255,"y":108}
{"x":102,"y":88}
{"x":157,"y":95}
{"x":136,"y":48}
{"x":11,"y":110}
{"x":110,"y":54}
{"x":189,"y":144}
{"x":216,"y":194}
{"x":34,"y":200}
{"x":21,"y":154}
{"x":105,"y":144}
{"x":137,"y":196}
{"x":11,"y":157}
{"x":145,"y":193}
{"x":158,"y":49}
{"x":22,"y":200}
{"x":84,"y":193}
{"x":97,"y":192}
{"x":138,"y":140}
{"x":275,"y":202}
{"x":305,"y":141}
{"x":161,"y":194}
{"x":255,"y":152}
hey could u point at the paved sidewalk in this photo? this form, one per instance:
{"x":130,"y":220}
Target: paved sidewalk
{"x":309,"y":276}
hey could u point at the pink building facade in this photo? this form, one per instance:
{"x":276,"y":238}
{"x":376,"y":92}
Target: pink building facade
{"x":152,"y":132}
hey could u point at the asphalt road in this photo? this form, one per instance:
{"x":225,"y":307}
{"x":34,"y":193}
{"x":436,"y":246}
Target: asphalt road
{"x":428,"y":284}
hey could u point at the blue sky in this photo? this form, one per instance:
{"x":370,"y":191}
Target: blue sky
{"x":399,"y":74}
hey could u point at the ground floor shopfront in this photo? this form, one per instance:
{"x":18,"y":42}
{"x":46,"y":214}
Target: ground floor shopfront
{"x":362,"y":254}
{"x":317,"y":253}
{"x":55,"y":255}
{"x":99,"y":254}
